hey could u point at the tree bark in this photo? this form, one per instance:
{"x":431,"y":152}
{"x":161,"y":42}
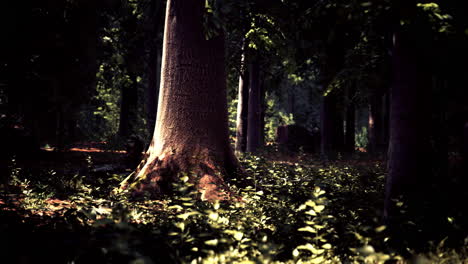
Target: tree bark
{"x":129,"y":96}
{"x":128,"y":107}
{"x":255,"y":109}
{"x":409,"y":148}
{"x":263,"y":110}
{"x":154,"y":79}
{"x":154,"y":72}
{"x":386,"y":122}
{"x":375,"y":133}
{"x":465,"y":148}
{"x":350,"y":140}
{"x":331,"y":131}
{"x":191,"y":133}
{"x":242,"y":107}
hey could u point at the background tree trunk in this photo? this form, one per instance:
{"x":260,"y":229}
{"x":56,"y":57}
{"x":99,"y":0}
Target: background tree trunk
{"x":263,"y":110}
{"x":465,"y":149}
{"x":255,"y":109}
{"x":409,"y":160}
{"x":330,"y":133}
{"x":154,"y":64}
{"x":191,"y":133}
{"x":154,"y":80}
{"x":375,"y":133}
{"x":129,"y":96}
{"x":242,"y":106}
{"x":350,"y":141}
{"x":128,"y":107}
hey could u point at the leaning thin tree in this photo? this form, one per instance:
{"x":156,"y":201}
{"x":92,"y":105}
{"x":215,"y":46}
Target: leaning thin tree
{"x":191,"y":134}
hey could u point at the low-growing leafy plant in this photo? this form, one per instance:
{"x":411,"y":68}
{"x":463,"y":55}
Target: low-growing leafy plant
{"x":299,"y":211}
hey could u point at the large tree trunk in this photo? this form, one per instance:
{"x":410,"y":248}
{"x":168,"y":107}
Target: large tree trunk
{"x":409,"y":160}
{"x":242,"y":107}
{"x":255,"y":109}
{"x":191,"y":133}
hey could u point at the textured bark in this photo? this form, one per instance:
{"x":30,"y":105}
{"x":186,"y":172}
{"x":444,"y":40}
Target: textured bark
{"x":242,"y":107}
{"x":409,"y":163}
{"x":191,"y":133}
{"x":255,"y":109}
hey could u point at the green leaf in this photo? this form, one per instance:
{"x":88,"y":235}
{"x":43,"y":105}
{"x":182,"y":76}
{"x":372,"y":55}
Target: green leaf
{"x":181,"y":226}
{"x":380,"y":228}
{"x":238,"y":236}
{"x":319,"y":208}
{"x":327,"y":246}
{"x":212,"y":242}
{"x":307,"y":229}
{"x":187,"y":215}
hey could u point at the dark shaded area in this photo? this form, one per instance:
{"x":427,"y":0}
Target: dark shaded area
{"x":296,"y":138}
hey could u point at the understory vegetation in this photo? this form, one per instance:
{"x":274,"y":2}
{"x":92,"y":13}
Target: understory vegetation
{"x":297,"y":210}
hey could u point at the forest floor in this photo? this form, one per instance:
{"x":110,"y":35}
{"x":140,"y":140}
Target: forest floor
{"x":61,"y":208}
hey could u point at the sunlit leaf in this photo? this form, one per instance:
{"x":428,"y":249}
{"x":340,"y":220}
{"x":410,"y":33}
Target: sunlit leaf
{"x":307,"y":229}
{"x":212,"y":242}
{"x":184,"y":216}
{"x":327,"y":246}
{"x":380,"y":228}
{"x":319,"y":208}
{"x":238,"y":236}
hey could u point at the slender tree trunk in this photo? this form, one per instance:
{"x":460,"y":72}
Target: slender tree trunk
{"x":191,"y":133}
{"x":129,"y":96}
{"x":350,"y":141}
{"x":263,"y":109}
{"x":409,"y":163}
{"x":465,"y":148}
{"x":331,"y":119}
{"x":439,"y":129}
{"x":327,"y":126}
{"x":330,"y":127}
{"x":255,"y":109}
{"x":128,"y":106}
{"x":242,"y":106}
{"x":375,"y":123}
{"x":339,"y":135}
{"x":386,"y":122}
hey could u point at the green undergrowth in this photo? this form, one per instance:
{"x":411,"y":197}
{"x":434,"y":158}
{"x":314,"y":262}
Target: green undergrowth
{"x":300,"y":211}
